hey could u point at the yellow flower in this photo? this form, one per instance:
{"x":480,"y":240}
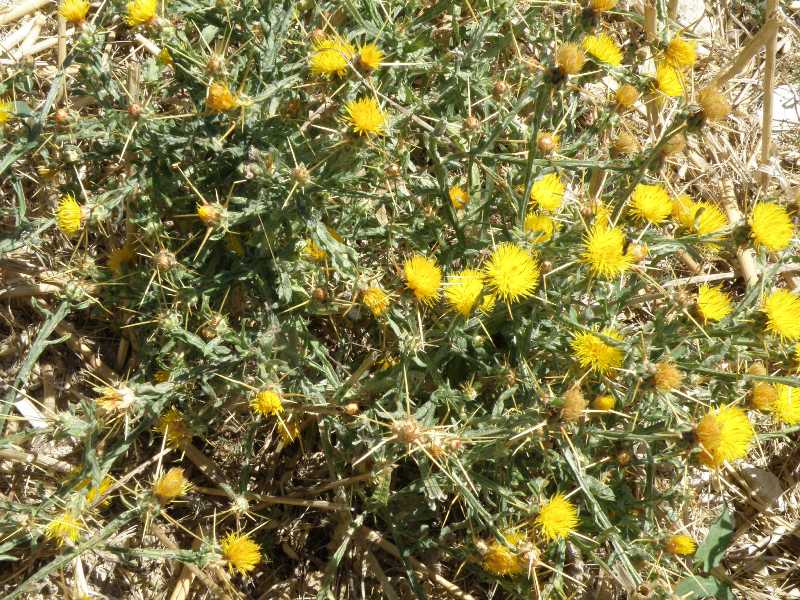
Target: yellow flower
{"x":603,"y":48}
{"x":542,"y":225}
{"x":786,"y":407}
{"x":683,"y":210}
{"x":570,"y":59}
{"x":73,"y":11}
{"x":313,"y":252}
{"x":114,"y":399}
{"x":681,"y":545}
{"x":681,"y":53}
{"x":267,"y":402}
{"x":119,"y":257}
{"x":240,"y":552}
{"x":712,"y":303}
{"x":603,"y":5}
{"x":725,"y":434}
{"x":64,"y":527}
{"x":210,"y":214}
{"x":370,"y":57}
{"x":511,"y":273}
{"x":220,"y":98}
{"x":173,"y":427}
{"x":771,"y":226}
{"x":141,"y":12}
{"x":604,"y":403}
{"x":331,"y":56}
{"x":487,"y":304}
{"x":708,"y":219}
{"x":763,"y":396}
{"x":797,"y":355}
{"x":502,"y":560}
{"x":423,"y":277}
{"x":5,"y":111}
{"x":376,"y":300}
{"x":604,"y":251}
{"x":783,"y":314}
{"x":366,"y":117}
{"x":463,"y":290}
{"x":626,"y":95}
{"x":558,"y":518}
{"x":548,"y":192}
{"x":651,"y":203}
{"x":94,"y":492}
{"x":669,"y":80}
{"x":458,"y":197}
{"x":69,"y":215}
{"x":595,"y":353}
{"x":171,"y":485}
{"x":667,"y":376}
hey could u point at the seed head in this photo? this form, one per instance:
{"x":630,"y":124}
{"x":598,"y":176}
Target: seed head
{"x":624,"y":144}
{"x":626,"y":95}
{"x":667,"y":376}
{"x":574,"y":404}
{"x":714,"y":104}
{"x":171,"y":485}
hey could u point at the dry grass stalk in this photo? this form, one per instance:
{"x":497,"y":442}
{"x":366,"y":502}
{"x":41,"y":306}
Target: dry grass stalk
{"x":769,"y":90}
{"x":23,"y":9}
{"x":752,"y":48}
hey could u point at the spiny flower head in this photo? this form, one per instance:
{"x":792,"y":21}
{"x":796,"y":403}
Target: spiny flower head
{"x":511,"y":273}
{"x":602,"y":5}
{"x":73,"y":11}
{"x":786,"y":407}
{"x":65,"y":526}
{"x":171,"y":485}
{"x":713,"y":304}
{"x":115,"y":399}
{"x":94,"y":492}
{"x":570,"y":59}
{"x":593,"y":352}
{"x":548,"y":192}
{"x":626,"y":95}
{"x":267,"y":403}
{"x":463,"y":289}
{"x":557,"y":518}
{"x":763,"y":396}
{"x":782,"y":308}
{"x":681,"y":53}
{"x":423,"y":277}
{"x":69,"y":215}
{"x":683,"y":210}
{"x":541,"y":225}
{"x":499,"y":559}
{"x":771,"y":226}
{"x":487,"y":303}
{"x":6,"y":109}
{"x":366,"y":117}
{"x":603,"y":48}
{"x":458,"y":197}
{"x":173,"y":427}
{"x":725,"y":434}
{"x":370,"y":57}
{"x":680,"y":545}
{"x":715,"y":105}
{"x":667,"y":376}
{"x":604,"y":251}
{"x":376,"y":300}
{"x":331,"y":56}
{"x":669,"y":80}
{"x":141,"y":12}
{"x":220,"y":98}
{"x":240,"y":552}
{"x":708,"y":218}
{"x":313,"y":251}
{"x":651,"y":203}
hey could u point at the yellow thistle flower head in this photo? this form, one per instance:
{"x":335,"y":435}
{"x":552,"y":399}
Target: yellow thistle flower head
{"x":463,"y":289}
{"x":626,"y":95}
{"x":680,"y":545}
{"x":370,"y":57}
{"x":331,"y":56}
{"x":69,"y":215}
{"x":603,"y":48}
{"x":782,"y":308}
{"x":708,"y":219}
{"x":604,"y":403}
{"x":6,"y":110}
{"x":116,"y":399}
{"x":240,"y":552}
{"x":173,"y":427}
{"x":220,"y":98}
{"x":366,"y":117}
{"x":487,"y":303}
{"x":725,"y":434}
{"x":683,"y":210}
{"x":376,"y":300}
{"x":667,"y":376}
{"x":681,"y":53}
{"x":713,"y":304}
{"x":771,"y":226}
{"x":548,"y":192}
{"x":210,"y":214}
{"x":604,"y":251}
{"x":651,"y":203}
{"x":267,"y":403}
{"x":458,"y":197}
{"x":65,"y":526}
{"x":557,"y":518}
{"x":763,"y":396}
{"x":511,"y":273}
{"x":786,"y":408}
{"x":570,"y":59}
{"x":602,"y":5}
{"x":171,"y":485}
{"x":120,"y":257}
{"x":542,"y":226}
{"x":313,"y":252}
{"x":714,"y":103}
{"x":594,"y":353}
{"x":94,"y":492}
{"x":500,"y":559}
{"x":141,"y":12}
{"x":423,"y":277}
{"x":73,"y":11}
{"x":797,"y":355}
{"x":669,"y":80}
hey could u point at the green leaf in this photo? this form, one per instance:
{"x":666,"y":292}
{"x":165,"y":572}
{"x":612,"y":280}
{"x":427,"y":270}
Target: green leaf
{"x":697,"y":588}
{"x":709,"y":554}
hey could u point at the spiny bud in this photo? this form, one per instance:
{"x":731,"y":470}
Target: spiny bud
{"x":471,"y":123}
{"x":714,"y":103}
{"x":351,"y":409}
{"x":407,"y":431}
{"x":135,"y":111}
{"x":319,"y":294}
{"x":674,"y":145}
{"x":574,"y":404}
{"x":164,"y":260}
{"x":624,"y":144}
{"x":546,"y":142}
{"x":500,"y":89}
{"x":626,"y":96}
{"x":393,"y":170}
{"x":215,"y":65}
{"x":763,"y":396}
{"x":301,"y":175}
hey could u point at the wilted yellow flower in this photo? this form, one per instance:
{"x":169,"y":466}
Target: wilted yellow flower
{"x":558,"y":518}
{"x":624,"y":144}
{"x":6,"y":109}
{"x":714,"y":103}
{"x":604,"y":251}
{"x":220,"y":98}
{"x":667,"y":376}
{"x":423,"y":277}
{"x":267,"y":403}
{"x":240,"y":552}
{"x":141,"y":12}
{"x":458,"y":197}
{"x":504,"y":558}
{"x":681,"y":545}
{"x":574,"y":404}
{"x":605,"y":402}
{"x":115,"y":399}
{"x":681,"y":53}
{"x":171,"y":485}
{"x":669,"y":80}
{"x":376,"y":300}
{"x":73,"y":11}
{"x":651,"y":203}
{"x":331,"y":56}
{"x":626,"y":95}
{"x":366,"y":117}
{"x":65,"y":526}
{"x":463,"y":289}
{"x":94,"y":492}
{"x":119,"y":257}
{"x":542,"y":225}
{"x":725,"y":434}
{"x":548,"y":192}
{"x":763,"y":396}
{"x":69,"y":215}
{"x":603,"y":48}
{"x":312,"y":251}
{"x":570,"y":59}
{"x":370,"y":57}
{"x":782,"y":308}
{"x":511,"y":273}
{"x":595,"y":353}
{"x":603,"y":5}
{"x":771,"y":226}
{"x":712,"y":303}
{"x":786,"y":407}
{"x":173,"y":427}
